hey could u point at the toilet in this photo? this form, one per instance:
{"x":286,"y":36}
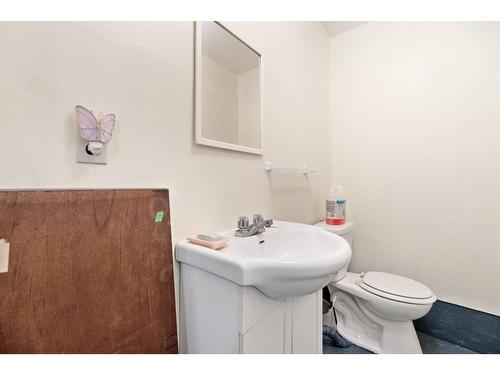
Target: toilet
{"x":375,"y":310}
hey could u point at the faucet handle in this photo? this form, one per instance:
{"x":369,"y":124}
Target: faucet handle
{"x":258,"y":219}
{"x":243,"y":222}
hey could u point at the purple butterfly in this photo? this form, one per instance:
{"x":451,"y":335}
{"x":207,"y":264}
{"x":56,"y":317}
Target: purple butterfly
{"x":97,"y":131}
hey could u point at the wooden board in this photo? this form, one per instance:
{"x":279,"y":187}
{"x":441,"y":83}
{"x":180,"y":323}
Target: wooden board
{"x":89,"y":272}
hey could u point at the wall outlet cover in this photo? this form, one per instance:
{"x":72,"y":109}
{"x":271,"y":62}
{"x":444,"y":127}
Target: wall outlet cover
{"x":83,"y":157}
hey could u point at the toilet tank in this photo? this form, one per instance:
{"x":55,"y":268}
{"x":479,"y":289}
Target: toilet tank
{"x":344,"y":231}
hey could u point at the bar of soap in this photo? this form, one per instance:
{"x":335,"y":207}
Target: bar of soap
{"x":212,"y":237}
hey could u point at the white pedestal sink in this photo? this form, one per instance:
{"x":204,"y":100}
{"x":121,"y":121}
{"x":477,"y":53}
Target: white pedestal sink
{"x":260,"y":294}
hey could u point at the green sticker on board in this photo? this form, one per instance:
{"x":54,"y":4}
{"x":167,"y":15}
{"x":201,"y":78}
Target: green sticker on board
{"x":159,"y":216}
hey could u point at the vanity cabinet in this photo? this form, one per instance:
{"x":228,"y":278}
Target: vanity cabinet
{"x":223,"y":317}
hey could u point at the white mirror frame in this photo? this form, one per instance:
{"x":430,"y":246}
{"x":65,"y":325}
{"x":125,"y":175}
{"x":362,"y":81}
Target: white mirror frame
{"x":198,"y":97}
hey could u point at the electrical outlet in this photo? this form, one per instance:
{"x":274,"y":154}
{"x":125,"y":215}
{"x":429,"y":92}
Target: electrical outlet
{"x":83,"y":157}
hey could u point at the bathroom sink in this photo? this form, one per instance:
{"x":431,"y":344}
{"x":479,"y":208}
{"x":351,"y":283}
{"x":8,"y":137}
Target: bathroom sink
{"x":287,"y":260}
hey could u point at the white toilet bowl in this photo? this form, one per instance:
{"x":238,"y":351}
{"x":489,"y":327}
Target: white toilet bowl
{"x":376,"y":319}
{"x":375,"y":310}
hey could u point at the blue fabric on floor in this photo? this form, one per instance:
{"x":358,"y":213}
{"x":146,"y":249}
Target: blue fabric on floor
{"x":353,"y":349}
{"x":330,"y":334}
{"x":334,"y":343}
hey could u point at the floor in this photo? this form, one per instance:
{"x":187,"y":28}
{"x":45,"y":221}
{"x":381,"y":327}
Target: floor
{"x":429,"y":344}
{"x":447,"y":329}
{"x":463,"y":327}
{"x":433,"y":345}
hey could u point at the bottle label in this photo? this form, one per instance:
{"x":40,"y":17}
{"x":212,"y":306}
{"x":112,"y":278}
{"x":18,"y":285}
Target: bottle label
{"x":335,"y":211}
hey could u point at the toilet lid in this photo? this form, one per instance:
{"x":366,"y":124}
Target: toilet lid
{"x":395,"y":285}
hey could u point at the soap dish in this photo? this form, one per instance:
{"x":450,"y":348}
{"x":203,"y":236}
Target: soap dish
{"x":215,"y":245}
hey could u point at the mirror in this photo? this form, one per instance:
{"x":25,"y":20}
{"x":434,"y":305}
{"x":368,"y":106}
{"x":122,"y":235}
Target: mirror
{"x":227,"y":90}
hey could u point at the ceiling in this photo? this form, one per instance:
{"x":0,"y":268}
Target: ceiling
{"x":337,"y":27}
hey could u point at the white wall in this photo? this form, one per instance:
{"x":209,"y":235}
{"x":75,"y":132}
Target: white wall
{"x":143,"y":72}
{"x":416,"y":142}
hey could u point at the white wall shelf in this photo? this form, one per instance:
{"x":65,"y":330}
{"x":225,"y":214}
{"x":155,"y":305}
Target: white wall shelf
{"x":271,"y":166}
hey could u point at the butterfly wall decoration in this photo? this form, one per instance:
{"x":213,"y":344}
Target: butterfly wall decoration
{"x":97,"y":130}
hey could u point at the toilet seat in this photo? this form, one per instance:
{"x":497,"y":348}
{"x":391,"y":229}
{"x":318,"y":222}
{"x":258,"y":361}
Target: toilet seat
{"x":396,"y":288}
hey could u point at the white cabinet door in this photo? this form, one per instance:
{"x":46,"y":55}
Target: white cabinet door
{"x":267,"y":336}
{"x":210,"y":307}
{"x":307,"y":324}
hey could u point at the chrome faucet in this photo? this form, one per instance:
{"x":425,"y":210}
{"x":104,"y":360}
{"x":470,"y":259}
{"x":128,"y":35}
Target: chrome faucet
{"x":259,"y":225}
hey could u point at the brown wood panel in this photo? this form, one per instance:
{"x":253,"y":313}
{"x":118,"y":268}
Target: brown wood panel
{"x":89,"y":272}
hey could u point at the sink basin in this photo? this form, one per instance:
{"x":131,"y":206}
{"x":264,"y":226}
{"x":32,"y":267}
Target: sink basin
{"x":287,"y":260}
